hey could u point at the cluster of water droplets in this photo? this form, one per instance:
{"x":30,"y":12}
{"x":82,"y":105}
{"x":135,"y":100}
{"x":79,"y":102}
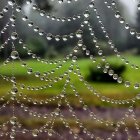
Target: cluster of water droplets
{"x":72,"y":69}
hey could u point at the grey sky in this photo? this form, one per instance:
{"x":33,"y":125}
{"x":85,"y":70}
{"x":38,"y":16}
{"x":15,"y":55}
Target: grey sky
{"x":130,"y":9}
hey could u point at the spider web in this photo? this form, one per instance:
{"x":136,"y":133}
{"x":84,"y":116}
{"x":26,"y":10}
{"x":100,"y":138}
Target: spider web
{"x":18,"y":92}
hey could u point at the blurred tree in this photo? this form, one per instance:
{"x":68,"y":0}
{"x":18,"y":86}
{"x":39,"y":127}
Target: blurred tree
{"x":132,"y":42}
{"x":44,"y":5}
{"x":138,"y":30}
{"x":114,"y":28}
{"x":37,"y":45}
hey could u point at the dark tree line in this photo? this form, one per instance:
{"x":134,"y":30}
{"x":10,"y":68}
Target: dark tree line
{"x":122,"y":39}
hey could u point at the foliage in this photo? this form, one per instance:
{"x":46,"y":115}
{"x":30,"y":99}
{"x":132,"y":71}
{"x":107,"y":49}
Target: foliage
{"x":98,"y":75}
{"x":38,"y":46}
{"x":51,"y":52}
{"x":112,"y":90}
{"x":44,"y":5}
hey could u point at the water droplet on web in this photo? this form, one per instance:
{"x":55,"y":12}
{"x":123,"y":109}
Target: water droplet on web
{"x":36,"y":29}
{"x":35,"y":133}
{"x":12,"y":18}
{"x":91,"y":5}
{"x":29,"y":71}
{"x":122,"y":20}
{"x":138,"y":6}
{"x":18,"y":8}
{"x":119,"y":80}
{"x":117,"y":14}
{"x":80,"y":43}
{"x":34,"y":7}
{"x":42,"y":13}
{"x":60,"y":1}
{"x":127,"y":84}
{"x":37,"y":74}
{"x":14,"y":55}
{"x":113,"y":2}
{"x":127,"y":26}
{"x":57,"y":38}
{"x":13,"y":79}
{"x":138,"y":35}
{"x":136,"y":85}
{"x":74,"y":58}
{"x":30,"y":24}
{"x":49,"y":36}
{"x":138,"y":96}
{"x":132,"y":31}
{"x":11,"y":2}
{"x":12,"y":135}
{"x":14,"y":36}
{"x":13,"y":120}
{"x":14,"y":90}
{"x":86,"y":14}
{"x":75,"y":49}
{"x":100,"y":52}
{"x":24,"y":18}
{"x":28,"y":1}
{"x":1,"y":15}
{"x":79,"y":34}
{"x":50,"y":133}
{"x":69,"y":1}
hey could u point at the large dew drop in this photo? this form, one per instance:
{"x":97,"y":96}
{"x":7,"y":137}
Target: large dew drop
{"x":14,"y":55}
{"x":14,"y":36}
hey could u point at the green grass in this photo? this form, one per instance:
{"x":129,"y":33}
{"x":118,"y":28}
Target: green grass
{"x":112,"y":90}
{"x":130,"y":74}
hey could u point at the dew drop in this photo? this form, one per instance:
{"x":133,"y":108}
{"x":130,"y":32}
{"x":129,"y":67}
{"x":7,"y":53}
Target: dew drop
{"x":136,"y":85}
{"x":13,"y":18}
{"x":18,"y":9}
{"x":127,"y":84}
{"x":14,"y":55}
{"x":138,"y":6}
{"x":117,"y":14}
{"x":50,"y":133}
{"x":60,"y":1}
{"x":13,"y":120}
{"x":49,"y":36}
{"x":11,"y":2}
{"x":86,"y":14}
{"x":14,"y":90}
{"x":12,"y":135}
{"x":28,"y":1}
{"x":79,"y":34}
{"x":29,"y":71}
{"x":35,"y":133}
{"x":74,"y":59}
{"x":1,"y":15}
{"x":138,"y":35}
{"x":14,"y":36}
